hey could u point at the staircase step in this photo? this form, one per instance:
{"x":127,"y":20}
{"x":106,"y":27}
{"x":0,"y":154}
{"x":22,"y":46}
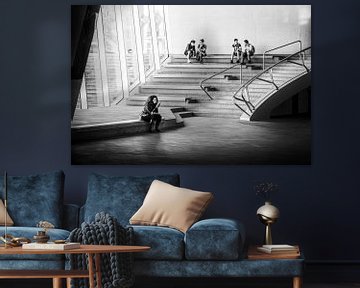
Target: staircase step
{"x":165,"y":104}
{"x":177,"y":84}
{"x":200,"y":66}
{"x":223,"y":56}
{"x":201,"y":75}
{"x":186,"y":114}
{"x":198,"y":70}
{"x":178,"y":109}
{"x":211,"y":113}
{"x":229,"y":106}
{"x":217,"y":61}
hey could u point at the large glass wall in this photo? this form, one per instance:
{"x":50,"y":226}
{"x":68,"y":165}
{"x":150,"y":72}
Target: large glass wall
{"x":160,"y":29}
{"x":93,"y":83}
{"x":128,"y":42}
{"x":146,"y":38}
{"x":111,"y":53}
{"x":128,"y":27}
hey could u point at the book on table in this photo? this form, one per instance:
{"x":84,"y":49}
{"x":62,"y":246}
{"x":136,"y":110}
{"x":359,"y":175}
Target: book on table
{"x":51,"y":246}
{"x":278,"y":249}
{"x":254,"y":253}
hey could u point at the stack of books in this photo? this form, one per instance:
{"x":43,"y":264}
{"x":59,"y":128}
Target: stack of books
{"x":273,"y":252}
{"x":279,"y":249}
{"x":51,"y":246}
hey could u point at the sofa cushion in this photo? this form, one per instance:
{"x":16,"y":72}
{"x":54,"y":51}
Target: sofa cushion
{"x":35,"y":198}
{"x":29,"y":232}
{"x":119,"y":196}
{"x":170,"y":206}
{"x":214,"y":239}
{"x":9,"y":221}
{"x":165,"y":243}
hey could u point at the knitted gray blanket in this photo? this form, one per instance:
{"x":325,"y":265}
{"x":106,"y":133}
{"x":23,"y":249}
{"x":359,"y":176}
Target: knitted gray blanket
{"x":116,"y":268}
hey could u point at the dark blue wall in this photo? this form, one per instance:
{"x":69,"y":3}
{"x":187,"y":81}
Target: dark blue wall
{"x":318,"y":202}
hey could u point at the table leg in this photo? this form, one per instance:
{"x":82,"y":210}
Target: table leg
{"x":297,"y":282}
{"x":98,"y":270}
{"x":91,"y":270}
{"x":57,"y":283}
{"x":68,"y":282}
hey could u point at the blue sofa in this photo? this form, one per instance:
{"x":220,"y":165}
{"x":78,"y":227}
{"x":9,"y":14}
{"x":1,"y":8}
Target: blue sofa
{"x":210,"y":248}
{"x":32,"y":199}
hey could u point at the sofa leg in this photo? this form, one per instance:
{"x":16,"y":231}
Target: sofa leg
{"x":57,"y":283}
{"x":297,"y":282}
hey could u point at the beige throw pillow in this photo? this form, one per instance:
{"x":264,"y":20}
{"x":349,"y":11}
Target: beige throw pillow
{"x":170,"y":206}
{"x":10,"y":222}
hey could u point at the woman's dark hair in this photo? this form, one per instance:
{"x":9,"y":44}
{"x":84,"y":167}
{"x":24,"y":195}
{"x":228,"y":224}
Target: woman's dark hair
{"x":202,"y":40}
{"x":236,"y":39}
{"x":192,"y":41}
{"x":150,"y":98}
{"x":246,"y":41}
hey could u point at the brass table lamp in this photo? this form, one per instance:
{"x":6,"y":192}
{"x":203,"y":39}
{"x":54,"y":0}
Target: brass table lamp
{"x":268,"y":214}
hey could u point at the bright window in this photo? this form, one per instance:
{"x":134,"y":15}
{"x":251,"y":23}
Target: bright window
{"x":146,"y":38}
{"x":130,"y":45}
{"x":122,"y":52}
{"x":160,"y":29}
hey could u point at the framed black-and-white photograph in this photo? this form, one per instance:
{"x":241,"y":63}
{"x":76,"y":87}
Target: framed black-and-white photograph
{"x":200,"y":84}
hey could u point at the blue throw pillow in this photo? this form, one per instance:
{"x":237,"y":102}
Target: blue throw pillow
{"x":120,"y":196}
{"x":35,"y":198}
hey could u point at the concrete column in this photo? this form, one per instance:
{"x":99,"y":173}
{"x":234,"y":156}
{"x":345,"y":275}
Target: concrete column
{"x":83,"y":97}
{"x":139,"y":44}
{"x":104,"y":79}
{"x":154,"y":38}
{"x":122,"y":51}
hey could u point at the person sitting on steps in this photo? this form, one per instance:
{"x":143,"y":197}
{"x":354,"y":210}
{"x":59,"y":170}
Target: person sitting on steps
{"x":201,"y":53}
{"x":236,"y":51}
{"x":249,"y":50}
{"x":150,"y":113}
{"x":190,"y":51}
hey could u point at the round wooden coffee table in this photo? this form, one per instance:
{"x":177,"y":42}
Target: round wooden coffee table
{"x":94,"y":267}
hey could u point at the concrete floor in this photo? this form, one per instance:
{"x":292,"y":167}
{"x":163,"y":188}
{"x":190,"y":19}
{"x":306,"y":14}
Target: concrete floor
{"x":206,"y":141}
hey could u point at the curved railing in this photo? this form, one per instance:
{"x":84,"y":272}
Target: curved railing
{"x":216,"y":74}
{"x":280,"y":47}
{"x":243,"y":94}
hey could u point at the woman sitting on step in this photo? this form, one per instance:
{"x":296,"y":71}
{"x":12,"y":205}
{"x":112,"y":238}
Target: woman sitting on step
{"x":151,"y":112}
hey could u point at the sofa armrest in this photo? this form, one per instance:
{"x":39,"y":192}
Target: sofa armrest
{"x":215,"y":239}
{"x":71,"y":216}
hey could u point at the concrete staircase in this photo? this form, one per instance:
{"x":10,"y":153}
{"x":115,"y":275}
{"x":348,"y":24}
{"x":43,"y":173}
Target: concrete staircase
{"x":177,"y":84}
{"x":289,"y":77}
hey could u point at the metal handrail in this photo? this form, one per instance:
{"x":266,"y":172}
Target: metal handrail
{"x":212,"y":76}
{"x":269,"y":69}
{"x":279,"y":47}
